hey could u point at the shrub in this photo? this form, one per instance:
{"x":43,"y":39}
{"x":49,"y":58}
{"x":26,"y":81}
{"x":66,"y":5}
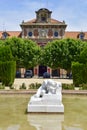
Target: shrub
{"x":23,"y":86}
{"x":11,"y":87}
{"x":34,"y":85}
{"x":64,"y":86}
{"x":2,"y":86}
{"x":7,"y":66}
{"x":5,"y":54}
{"x":68,"y":86}
{"x":77,"y":71}
{"x":83,"y":87}
{"x":7,"y":72}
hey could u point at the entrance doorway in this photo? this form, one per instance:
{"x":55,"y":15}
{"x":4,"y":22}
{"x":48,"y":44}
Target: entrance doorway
{"x":56,"y":73}
{"x":42,"y":69}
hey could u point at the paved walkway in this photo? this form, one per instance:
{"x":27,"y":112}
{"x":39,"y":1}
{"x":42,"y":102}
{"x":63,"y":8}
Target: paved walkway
{"x":19,"y":82}
{"x":28,"y":81}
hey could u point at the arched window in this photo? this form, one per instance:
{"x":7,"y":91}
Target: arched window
{"x":43,"y":17}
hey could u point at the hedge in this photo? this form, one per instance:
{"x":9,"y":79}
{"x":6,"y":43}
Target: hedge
{"x":7,"y":72}
{"x":79,"y":72}
{"x":5,"y":54}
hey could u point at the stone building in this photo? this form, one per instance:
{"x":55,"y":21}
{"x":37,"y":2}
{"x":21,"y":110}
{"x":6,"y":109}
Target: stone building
{"x":43,"y":29}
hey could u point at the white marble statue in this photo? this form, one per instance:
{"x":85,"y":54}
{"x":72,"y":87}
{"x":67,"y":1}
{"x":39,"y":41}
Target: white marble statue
{"x":49,"y":87}
{"x":48,"y":98}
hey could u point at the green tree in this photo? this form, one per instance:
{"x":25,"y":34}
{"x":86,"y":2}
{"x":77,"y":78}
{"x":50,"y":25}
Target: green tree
{"x":61,"y":53}
{"x":73,"y":47}
{"x":31,"y":54}
{"x":52,"y":54}
{"x":16,"y":45}
{"x":25,"y":51}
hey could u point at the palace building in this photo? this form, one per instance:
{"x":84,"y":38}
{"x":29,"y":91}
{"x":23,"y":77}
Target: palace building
{"x":43,"y":29}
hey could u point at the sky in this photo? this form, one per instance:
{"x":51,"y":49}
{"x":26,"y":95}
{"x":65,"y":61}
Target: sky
{"x":73,"y":12}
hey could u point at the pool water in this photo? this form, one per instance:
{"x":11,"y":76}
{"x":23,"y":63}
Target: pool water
{"x":13,"y":114}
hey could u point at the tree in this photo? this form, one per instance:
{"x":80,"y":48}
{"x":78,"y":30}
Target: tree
{"x":61,"y":53}
{"x":16,"y":46}
{"x":74,"y":47}
{"x":52,"y":54}
{"x":25,"y":51}
{"x":31,"y":53}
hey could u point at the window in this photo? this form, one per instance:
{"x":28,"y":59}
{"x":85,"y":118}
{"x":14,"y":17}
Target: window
{"x":30,"y":34}
{"x":56,"y":34}
{"x":43,"y":17}
{"x":81,"y":36}
{"x":5,"y":35}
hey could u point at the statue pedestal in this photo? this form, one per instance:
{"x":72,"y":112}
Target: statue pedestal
{"x":49,"y":103}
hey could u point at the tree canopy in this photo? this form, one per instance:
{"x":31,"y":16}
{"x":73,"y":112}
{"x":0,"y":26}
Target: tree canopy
{"x":58,"y":53}
{"x":25,"y":51}
{"x":61,"y":53}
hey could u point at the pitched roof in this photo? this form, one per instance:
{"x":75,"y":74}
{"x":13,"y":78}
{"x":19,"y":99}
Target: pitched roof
{"x":74,"y":34}
{"x":68,"y":34}
{"x":53,"y":21}
{"x":14,"y":33}
{"x":11,"y":33}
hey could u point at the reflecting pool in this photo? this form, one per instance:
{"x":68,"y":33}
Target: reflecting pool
{"x":13,"y":114}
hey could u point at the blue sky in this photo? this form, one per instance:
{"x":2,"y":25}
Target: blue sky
{"x":73,"y":12}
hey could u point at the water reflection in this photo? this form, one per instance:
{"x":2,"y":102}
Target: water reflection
{"x":46,"y":122}
{"x":72,"y":128}
{"x":13,"y":127}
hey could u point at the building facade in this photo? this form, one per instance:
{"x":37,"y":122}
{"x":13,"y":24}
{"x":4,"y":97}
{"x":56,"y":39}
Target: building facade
{"x":43,"y":29}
